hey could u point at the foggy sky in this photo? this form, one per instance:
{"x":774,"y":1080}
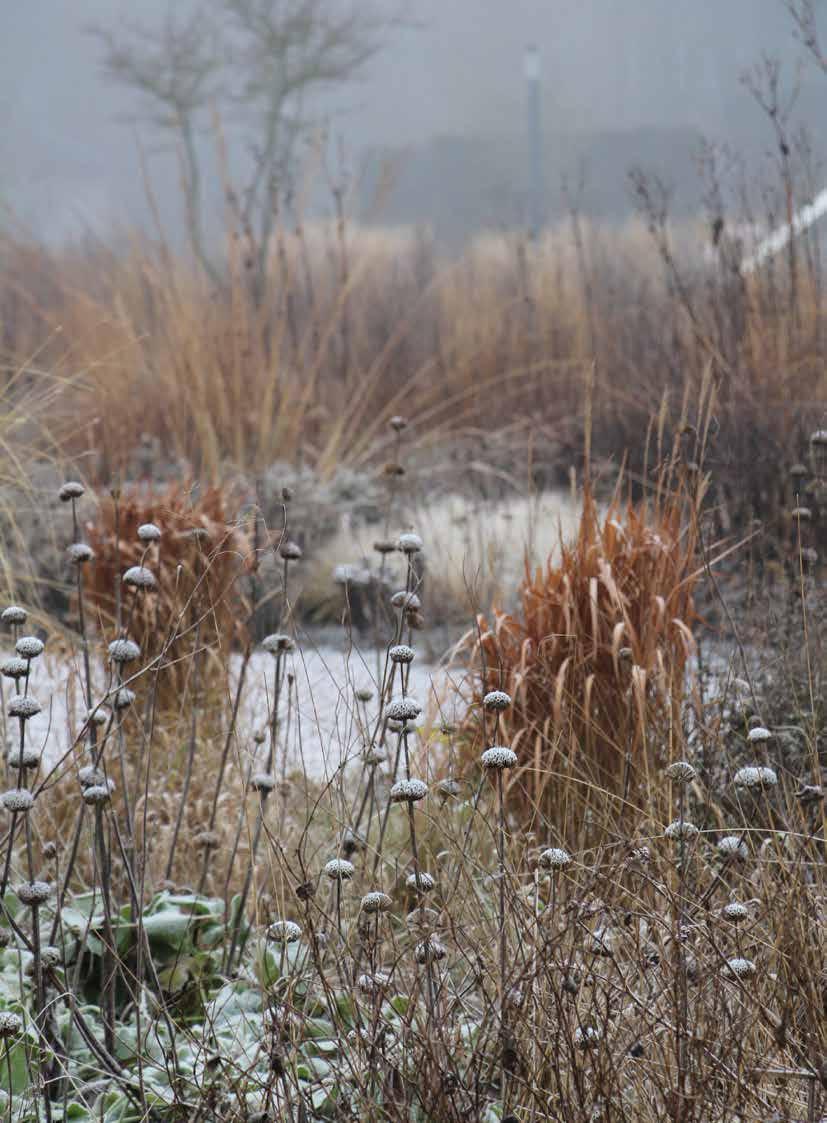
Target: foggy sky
{"x":69,"y":156}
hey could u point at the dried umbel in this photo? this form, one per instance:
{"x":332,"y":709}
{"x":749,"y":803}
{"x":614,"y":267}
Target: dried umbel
{"x":79,"y":553}
{"x":139,"y":577}
{"x":23,"y":706}
{"x":403,"y":709}
{"x":430,"y":951}
{"x":14,"y":668}
{"x":758,"y":735}
{"x":735,"y":912}
{"x":291,"y":551}
{"x":410,"y":543}
{"x":741,"y":968}
{"x":14,"y":614}
{"x":124,"y":650}
{"x":33,"y":892}
{"x":376,"y":902}
{"x":17,"y":800}
{"x":71,"y":490}
{"x":29,"y":647}
{"x":278,"y":643}
{"x":755,"y":777}
{"x":681,"y":772}
{"x":497,"y":758}
{"x":554,"y":858}
{"x":496,"y":700}
{"x":284,"y":932}
{"x":732,"y":847}
{"x":408,"y":791}
{"x":401,"y":653}
{"x":681,"y":829}
{"x":149,"y":532}
{"x":338,"y":869}
{"x":11,"y":1025}
{"x":424,"y":884}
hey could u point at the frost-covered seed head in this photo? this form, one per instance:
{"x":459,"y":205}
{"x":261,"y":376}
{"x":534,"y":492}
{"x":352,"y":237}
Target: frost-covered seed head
{"x":408,"y":791}
{"x":14,"y":614}
{"x":735,"y":911}
{"x":426,"y":883}
{"x":50,"y":956}
{"x":149,"y":532}
{"x":409,"y":601}
{"x":587,"y":1037}
{"x":263,"y":782}
{"x":374,"y":756}
{"x":449,"y":789}
{"x":731,"y":846}
{"x":641,"y":855}
{"x":497,"y":758}
{"x":17,"y":800}
{"x":11,"y":1025}
{"x":89,"y":776}
{"x":23,"y":706}
{"x":398,"y":423}
{"x":802,"y":513}
{"x":96,"y":795}
{"x":401,"y":653}
{"x":497,"y":700}
{"x":741,"y":968}
{"x":422,"y":920}
{"x":338,"y":869}
{"x":401,"y":726}
{"x":809,"y":794}
{"x":410,"y":543}
{"x":99,"y":715}
{"x":71,"y":490}
{"x":124,"y":650}
{"x":28,"y":758}
{"x":278,"y":643}
{"x":80,"y":552}
{"x":208,"y":840}
{"x":373,"y":984}
{"x":555,"y":858}
{"x":376,"y":902}
{"x":819,"y":437}
{"x":363,"y":694}
{"x":681,"y":828}
{"x":291,"y":551}
{"x":284,"y":932}
{"x":681,"y":772}
{"x":14,"y":668}
{"x":758,"y":735}
{"x":351,"y":842}
{"x":33,"y":892}
{"x":755,"y":777}
{"x":403,"y":709}
{"x":353,"y":575}
{"x":29,"y":647}
{"x":385,"y":546}
{"x":139,"y":577}
{"x":124,"y":697}
{"x":430,"y":951}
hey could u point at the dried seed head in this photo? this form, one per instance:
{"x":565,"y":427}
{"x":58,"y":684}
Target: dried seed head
{"x":758,"y":735}
{"x":80,"y":552}
{"x":819,"y":437}
{"x":99,"y":715}
{"x":497,"y":758}
{"x":149,"y":532}
{"x":364,"y":694}
{"x":70,"y":490}
{"x":50,"y":851}
{"x":681,"y":772}
{"x":278,"y":643}
{"x":96,"y":795}
{"x":17,"y":800}
{"x":263,"y":782}
{"x":395,"y":726}
{"x":809,"y":794}
{"x":14,"y":668}
{"x":291,"y":551}
{"x":139,"y":577}
{"x":401,"y":653}
{"x":11,"y":1025}
{"x":410,"y":543}
{"x":385,"y":546}
{"x":497,"y":700}
{"x":808,"y":555}
{"x":373,"y":756}
{"x":376,"y":902}
{"x":731,"y":846}
{"x":28,"y":758}
{"x":338,"y":869}
{"x":755,"y":777}
{"x":23,"y":706}
{"x":124,"y":650}
{"x":681,"y":828}
{"x":208,"y":840}
{"x":735,"y":911}
{"x":352,"y":575}
{"x":398,"y":423}
{"x":587,"y":1037}
{"x":430,"y":951}
{"x":422,"y":920}
{"x":124,"y":697}
{"x":799,"y":470}
{"x":90,"y":776}
{"x":351,"y":842}
{"x":50,"y":956}
{"x":426,"y":883}
{"x":741,"y":968}
{"x":33,"y":892}
{"x":449,"y":789}
{"x":408,"y":791}
{"x":284,"y":932}
{"x":803,"y":514}
{"x":555,"y":858}
{"x":373,"y":984}
{"x":29,"y":647}
{"x":14,"y":614}
{"x":403,"y":709}
{"x":410,"y":602}
{"x":260,"y":736}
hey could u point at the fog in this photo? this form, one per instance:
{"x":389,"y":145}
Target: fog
{"x":623,"y":81}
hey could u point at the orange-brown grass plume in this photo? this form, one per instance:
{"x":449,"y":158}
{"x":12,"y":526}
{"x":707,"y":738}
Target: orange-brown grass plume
{"x":595,"y":657}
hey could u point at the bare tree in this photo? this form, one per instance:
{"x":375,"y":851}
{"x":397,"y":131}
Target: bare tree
{"x":260,"y":62}
{"x":805,"y":20}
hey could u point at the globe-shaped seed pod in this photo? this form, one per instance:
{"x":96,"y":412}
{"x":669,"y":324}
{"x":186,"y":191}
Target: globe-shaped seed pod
{"x":819,"y":437}
{"x":17,"y":800}
{"x":385,"y":546}
{"x":23,"y":706}
{"x":291,"y":551}
{"x":426,"y":882}
{"x":139,"y":577}
{"x":554,"y":858}
{"x":758,"y":735}
{"x":735,"y":912}
{"x":338,"y":869}
{"x":124,"y":651}
{"x":79,"y":553}
{"x":403,"y":709}
{"x":732,"y":847}
{"x":364,"y":694}
{"x":278,"y":643}
{"x":90,"y":776}
{"x":124,"y":697}
{"x":376,"y":983}
{"x":33,"y":892}
{"x":410,"y":602}
{"x":374,"y":756}
{"x":29,"y":647}
{"x":11,"y":1025}
{"x":681,"y":828}
{"x":430,"y":951}
{"x":755,"y":777}
{"x":410,"y":543}
{"x":71,"y":490}
{"x":149,"y":532}
{"x":207,"y":840}
{"x":14,"y":614}
{"x":681,"y":772}
{"x":401,"y":653}
{"x":14,"y":668}
{"x":449,"y":789}
{"x":376,"y":902}
{"x":497,"y":758}
{"x":263,"y":782}
{"x":96,"y":795}
{"x":98,"y":715}
{"x":284,"y":932}
{"x":741,"y":968}
{"x":496,"y":700}
{"x":28,"y":758}
{"x":408,"y":791}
